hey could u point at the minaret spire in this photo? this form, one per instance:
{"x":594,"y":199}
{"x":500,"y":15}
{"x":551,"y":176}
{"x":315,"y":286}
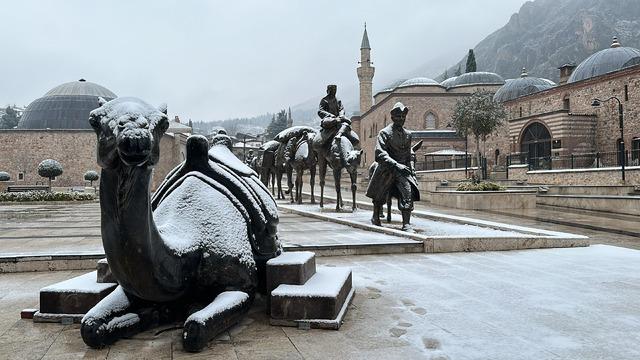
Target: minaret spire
{"x":365,"y":73}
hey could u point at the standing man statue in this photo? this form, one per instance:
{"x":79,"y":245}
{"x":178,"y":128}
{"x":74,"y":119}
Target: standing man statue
{"x":395,"y":172}
{"x":333,"y":122}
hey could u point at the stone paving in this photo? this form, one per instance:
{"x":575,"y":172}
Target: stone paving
{"x":75,"y":228}
{"x":578,"y":303}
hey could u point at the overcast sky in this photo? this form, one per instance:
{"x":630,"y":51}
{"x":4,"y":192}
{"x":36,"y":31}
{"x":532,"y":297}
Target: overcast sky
{"x":211,"y":60}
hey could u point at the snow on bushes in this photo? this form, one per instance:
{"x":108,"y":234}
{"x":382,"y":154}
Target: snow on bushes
{"x":481,"y":186}
{"x":44,"y":196}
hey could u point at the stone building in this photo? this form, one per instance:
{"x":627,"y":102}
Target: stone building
{"x":549,"y":124}
{"x":56,"y":126}
{"x":431,"y":107}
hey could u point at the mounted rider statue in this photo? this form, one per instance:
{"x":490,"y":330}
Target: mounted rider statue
{"x":333,"y":122}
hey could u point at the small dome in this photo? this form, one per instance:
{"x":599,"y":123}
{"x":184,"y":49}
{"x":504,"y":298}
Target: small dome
{"x":392,"y":86}
{"x":605,"y":61}
{"x":447,"y":83}
{"x":474,"y":78}
{"x":525,"y":85}
{"x":419,"y":81}
{"x":66,"y":106}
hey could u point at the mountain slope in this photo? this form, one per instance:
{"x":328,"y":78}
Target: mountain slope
{"x":545,"y":34}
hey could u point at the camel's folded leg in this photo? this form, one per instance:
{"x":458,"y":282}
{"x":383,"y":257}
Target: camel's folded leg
{"x":111,"y":319}
{"x":225,"y":311}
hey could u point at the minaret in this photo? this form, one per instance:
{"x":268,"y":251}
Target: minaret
{"x":289,"y":119}
{"x":365,"y":74}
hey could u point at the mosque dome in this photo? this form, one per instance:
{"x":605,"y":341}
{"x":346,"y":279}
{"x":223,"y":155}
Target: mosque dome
{"x":474,"y":78}
{"x":419,"y":81}
{"x":525,"y":85}
{"x":615,"y":58}
{"x":447,"y":83}
{"x":66,"y":106}
{"x":392,"y":86}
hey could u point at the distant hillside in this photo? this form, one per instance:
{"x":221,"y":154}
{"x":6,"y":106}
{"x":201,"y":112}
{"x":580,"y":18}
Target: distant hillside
{"x":545,"y":34}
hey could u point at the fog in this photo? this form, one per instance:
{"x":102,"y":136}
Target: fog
{"x":212,"y":60}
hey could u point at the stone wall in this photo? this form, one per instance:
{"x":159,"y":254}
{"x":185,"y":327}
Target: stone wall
{"x":421,"y":101}
{"x":600,"y":177}
{"x":75,"y":150}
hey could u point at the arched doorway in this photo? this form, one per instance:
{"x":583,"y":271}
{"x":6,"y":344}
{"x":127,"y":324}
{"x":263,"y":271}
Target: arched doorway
{"x":536,"y":143}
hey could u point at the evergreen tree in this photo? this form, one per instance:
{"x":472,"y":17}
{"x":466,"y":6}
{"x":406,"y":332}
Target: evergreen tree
{"x":459,"y":71}
{"x":278,"y":123}
{"x":10,"y":118}
{"x":471,"y":62}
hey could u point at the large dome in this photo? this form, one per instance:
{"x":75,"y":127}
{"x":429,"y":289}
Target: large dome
{"x":474,"y":78}
{"x":605,"y":61}
{"x":525,"y":85}
{"x":419,"y":81}
{"x":66,"y":106}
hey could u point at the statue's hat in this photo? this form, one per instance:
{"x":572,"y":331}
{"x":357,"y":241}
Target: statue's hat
{"x":399,"y":108}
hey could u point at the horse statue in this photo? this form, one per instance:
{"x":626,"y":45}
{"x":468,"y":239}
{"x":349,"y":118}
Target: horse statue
{"x":195,"y":252}
{"x":340,"y":155}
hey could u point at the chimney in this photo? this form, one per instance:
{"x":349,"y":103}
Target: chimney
{"x":176,"y":119}
{"x":565,"y":72}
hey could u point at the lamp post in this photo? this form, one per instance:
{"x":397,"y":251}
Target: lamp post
{"x":623,"y":157}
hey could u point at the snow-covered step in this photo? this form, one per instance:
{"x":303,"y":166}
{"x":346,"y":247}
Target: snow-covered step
{"x":104,"y":272}
{"x":293,"y":268}
{"x":321,"y":301}
{"x":71,"y":298}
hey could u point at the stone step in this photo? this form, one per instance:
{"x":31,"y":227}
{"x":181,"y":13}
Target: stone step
{"x":74,"y":296}
{"x":293,"y":268}
{"x":104,"y":272}
{"x":323,"y":297}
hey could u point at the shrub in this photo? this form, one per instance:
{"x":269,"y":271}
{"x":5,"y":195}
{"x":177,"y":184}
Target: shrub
{"x":45,"y":196}
{"x":91,"y":176}
{"x":4,"y":176}
{"x":481,"y":186}
{"x":49,"y":169}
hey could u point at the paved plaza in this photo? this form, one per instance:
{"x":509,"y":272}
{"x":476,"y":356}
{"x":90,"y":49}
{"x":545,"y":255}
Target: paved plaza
{"x":575,"y":303}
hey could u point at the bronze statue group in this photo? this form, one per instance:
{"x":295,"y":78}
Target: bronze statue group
{"x":336,"y":145}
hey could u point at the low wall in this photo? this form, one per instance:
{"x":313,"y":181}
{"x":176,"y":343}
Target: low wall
{"x":626,"y":205}
{"x":445,"y":174}
{"x":5,"y":184}
{"x":601,"y":176}
{"x":518,"y":172}
{"x":480,"y":200}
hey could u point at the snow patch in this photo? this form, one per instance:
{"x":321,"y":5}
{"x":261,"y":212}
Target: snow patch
{"x":221,"y":154}
{"x":326,"y":282}
{"x":197,"y":216}
{"x":120,"y":322}
{"x":292,"y":258}
{"x":80,"y":284}
{"x":116,"y":302}
{"x":225,"y":301}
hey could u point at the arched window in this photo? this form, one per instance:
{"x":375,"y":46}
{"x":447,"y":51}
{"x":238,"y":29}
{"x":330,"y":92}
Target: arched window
{"x":536,"y":144}
{"x":430,"y":121}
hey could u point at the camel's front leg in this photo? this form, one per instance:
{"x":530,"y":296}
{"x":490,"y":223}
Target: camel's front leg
{"x":111,"y":319}
{"x":225,"y":311}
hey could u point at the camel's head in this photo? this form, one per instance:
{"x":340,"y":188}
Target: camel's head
{"x":129,"y":132}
